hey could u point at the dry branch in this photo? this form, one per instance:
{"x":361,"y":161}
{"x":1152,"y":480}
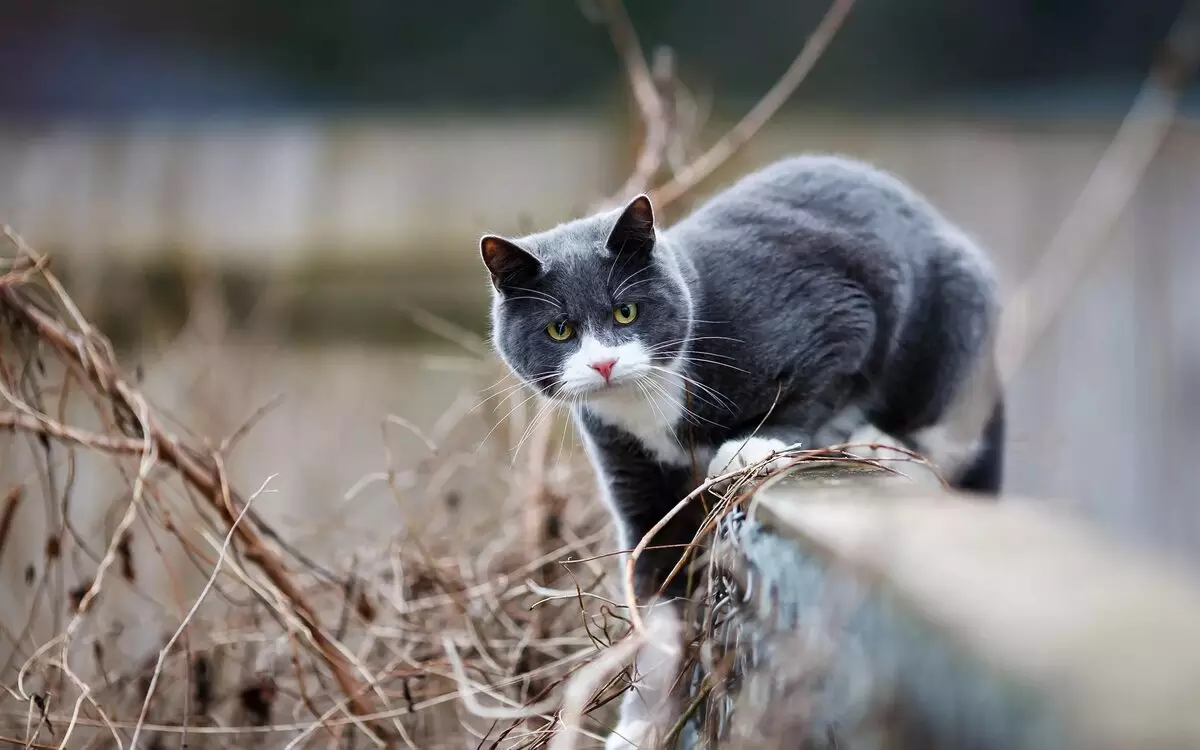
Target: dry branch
{"x":1079,"y":244}
{"x":761,"y":113}
{"x":648,"y":94}
{"x":68,"y":434}
{"x":89,"y":351}
{"x":392,"y":621}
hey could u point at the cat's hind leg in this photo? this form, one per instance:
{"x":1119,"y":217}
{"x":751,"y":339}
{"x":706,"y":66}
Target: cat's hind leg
{"x":975,"y":466}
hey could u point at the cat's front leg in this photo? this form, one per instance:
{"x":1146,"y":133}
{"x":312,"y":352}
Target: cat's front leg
{"x":770,"y":448}
{"x":792,"y":427}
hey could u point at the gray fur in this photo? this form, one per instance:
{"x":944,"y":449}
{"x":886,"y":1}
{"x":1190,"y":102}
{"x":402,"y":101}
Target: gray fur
{"x":814,"y":294}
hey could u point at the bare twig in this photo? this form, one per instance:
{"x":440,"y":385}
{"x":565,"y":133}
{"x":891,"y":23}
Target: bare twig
{"x":50,"y":428}
{"x":94,"y":356}
{"x":162,"y":655}
{"x":1079,"y":245}
{"x":8,"y":514}
{"x":761,"y":113}
{"x":648,"y":94}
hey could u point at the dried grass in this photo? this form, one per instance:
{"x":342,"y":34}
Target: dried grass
{"x":433,"y":638}
{"x":426,"y":640}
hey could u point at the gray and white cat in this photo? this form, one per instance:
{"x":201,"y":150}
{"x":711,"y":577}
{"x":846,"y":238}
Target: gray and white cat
{"x":810,"y":299}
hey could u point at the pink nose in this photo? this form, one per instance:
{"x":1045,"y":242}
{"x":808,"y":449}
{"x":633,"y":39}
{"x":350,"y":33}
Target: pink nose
{"x":604,"y":368}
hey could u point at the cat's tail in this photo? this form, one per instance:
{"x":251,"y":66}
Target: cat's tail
{"x":983,"y":473}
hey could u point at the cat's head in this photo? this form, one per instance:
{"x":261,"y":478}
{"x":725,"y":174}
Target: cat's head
{"x":590,"y":308}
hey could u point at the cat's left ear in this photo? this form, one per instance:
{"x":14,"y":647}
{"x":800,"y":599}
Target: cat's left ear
{"x":634,"y":230}
{"x":507,"y":263}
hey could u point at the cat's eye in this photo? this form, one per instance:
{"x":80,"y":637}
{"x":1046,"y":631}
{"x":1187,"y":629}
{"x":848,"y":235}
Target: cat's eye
{"x":626,"y":313}
{"x":560,"y":331}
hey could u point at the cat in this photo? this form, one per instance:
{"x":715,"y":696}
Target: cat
{"x":811,"y":299}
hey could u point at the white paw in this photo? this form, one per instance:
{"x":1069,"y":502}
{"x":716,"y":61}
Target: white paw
{"x":738,"y":454}
{"x":629,"y":735}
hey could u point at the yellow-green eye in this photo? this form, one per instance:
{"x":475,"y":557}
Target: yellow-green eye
{"x":626,"y":313}
{"x":560,"y":331}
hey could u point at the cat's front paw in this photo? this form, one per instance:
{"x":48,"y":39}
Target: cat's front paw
{"x":629,"y":735}
{"x":735,"y":455}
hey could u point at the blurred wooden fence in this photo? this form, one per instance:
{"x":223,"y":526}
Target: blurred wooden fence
{"x":1106,"y":416}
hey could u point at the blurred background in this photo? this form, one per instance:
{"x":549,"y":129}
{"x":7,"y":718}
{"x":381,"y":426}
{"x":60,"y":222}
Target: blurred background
{"x":270,"y":199}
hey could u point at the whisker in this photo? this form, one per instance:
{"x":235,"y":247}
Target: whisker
{"x":654,"y":405}
{"x":688,"y":413}
{"x":514,"y":387}
{"x":503,"y":419}
{"x":691,"y":352}
{"x":656,"y":386}
{"x":498,"y":396}
{"x":506,"y":300}
{"x":705,"y":353}
{"x":511,"y":374}
{"x":548,"y":297}
{"x":573,"y":401}
{"x":631,"y":286}
{"x":613,"y":267}
{"x":655,"y":373}
{"x":506,"y":376}
{"x":630,"y":278}
{"x":546,"y":410}
{"x":683,"y":351}
{"x":730,"y":405}
{"x":506,"y":393}
{"x":704,"y":399}
{"x":690,"y":339}
{"x":686,"y":358}
{"x":539,"y":292}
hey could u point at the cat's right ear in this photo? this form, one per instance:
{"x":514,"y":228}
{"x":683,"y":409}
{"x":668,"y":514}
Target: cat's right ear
{"x":634,"y":231}
{"x":507,"y":263}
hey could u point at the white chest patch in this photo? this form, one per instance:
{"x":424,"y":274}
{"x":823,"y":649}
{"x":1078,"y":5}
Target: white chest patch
{"x":649,"y":414}
{"x":623,"y":387}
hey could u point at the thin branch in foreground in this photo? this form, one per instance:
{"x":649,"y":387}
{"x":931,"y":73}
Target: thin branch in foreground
{"x":12,"y":421}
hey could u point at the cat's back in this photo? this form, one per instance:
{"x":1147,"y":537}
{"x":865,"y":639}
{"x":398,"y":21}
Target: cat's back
{"x":811,"y":194}
{"x":831,"y":187}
